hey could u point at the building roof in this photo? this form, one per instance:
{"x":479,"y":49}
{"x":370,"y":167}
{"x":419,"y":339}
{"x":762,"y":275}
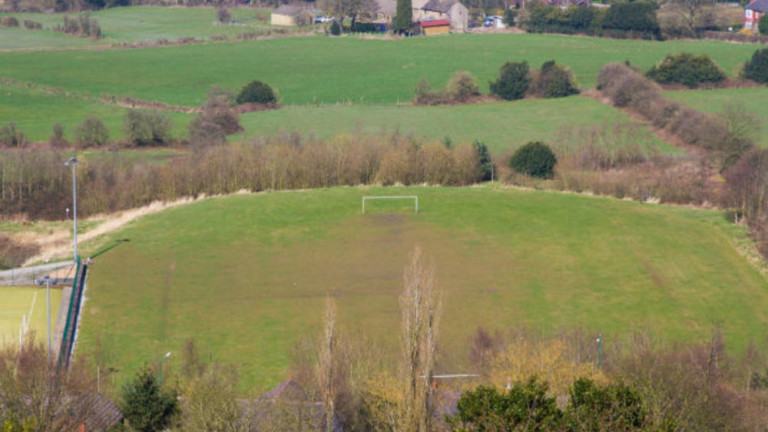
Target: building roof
{"x":289,"y":10}
{"x":434,"y":23}
{"x":443,"y":6}
{"x":100,"y":414}
{"x":758,"y":5}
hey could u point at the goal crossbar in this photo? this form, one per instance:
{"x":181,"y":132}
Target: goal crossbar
{"x":413,"y":197}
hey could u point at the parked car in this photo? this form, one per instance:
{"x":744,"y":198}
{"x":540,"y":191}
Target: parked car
{"x":494,"y":21}
{"x":322,"y":19}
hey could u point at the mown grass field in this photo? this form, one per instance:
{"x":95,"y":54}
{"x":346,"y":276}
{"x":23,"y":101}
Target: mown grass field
{"x":16,"y":303}
{"x":135,"y":25}
{"x":311,"y":70}
{"x":246,"y":275}
{"x":754,"y":100}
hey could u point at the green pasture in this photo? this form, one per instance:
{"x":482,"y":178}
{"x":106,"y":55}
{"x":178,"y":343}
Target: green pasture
{"x":35,"y":111}
{"x":16,"y":302}
{"x":311,"y":70}
{"x":503,"y":126}
{"x":754,"y":100}
{"x":246,"y":275}
{"x":137,"y":24}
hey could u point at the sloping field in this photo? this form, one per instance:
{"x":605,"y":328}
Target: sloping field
{"x":16,"y":302}
{"x":310,"y":70}
{"x":246,"y":275}
{"x":753,"y":100}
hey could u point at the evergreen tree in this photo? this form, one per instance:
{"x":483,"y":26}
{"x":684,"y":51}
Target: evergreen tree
{"x":402,"y":22}
{"x":145,"y":405}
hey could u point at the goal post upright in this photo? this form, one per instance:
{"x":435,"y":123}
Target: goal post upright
{"x":413,"y":197}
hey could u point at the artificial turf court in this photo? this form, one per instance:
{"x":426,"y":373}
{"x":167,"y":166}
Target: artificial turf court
{"x":16,"y":302}
{"x":246,"y":275}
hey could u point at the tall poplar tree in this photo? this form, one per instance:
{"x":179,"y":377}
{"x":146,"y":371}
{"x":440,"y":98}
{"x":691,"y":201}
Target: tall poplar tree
{"x":402,"y":22}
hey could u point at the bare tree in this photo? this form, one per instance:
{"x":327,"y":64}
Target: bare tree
{"x":325,"y":364}
{"x":690,"y":10}
{"x":350,"y":8}
{"x":420,"y":308}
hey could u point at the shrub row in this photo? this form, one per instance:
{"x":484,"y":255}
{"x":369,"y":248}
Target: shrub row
{"x":515,"y":80}
{"x":82,"y":25}
{"x":621,"y":20}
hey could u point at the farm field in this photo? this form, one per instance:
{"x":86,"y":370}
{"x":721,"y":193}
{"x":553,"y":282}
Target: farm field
{"x":503,"y":126}
{"x":17,"y":302}
{"x":312,"y":70}
{"x":754,"y":100}
{"x":246,"y":275}
{"x":137,"y":25}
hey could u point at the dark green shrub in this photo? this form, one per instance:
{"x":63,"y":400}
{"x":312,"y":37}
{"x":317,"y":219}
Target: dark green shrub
{"x":91,"y":133}
{"x":687,"y":69}
{"x":762,"y":25}
{"x":525,"y":407}
{"x":147,"y":128}
{"x":535,"y":159}
{"x":256,"y":92}
{"x":509,"y":17}
{"x":145,"y":405}
{"x":612,"y":407}
{"x":756,"y":68}
{"x":335,"y":28}
{"x":10,"y":136}
{"x":513,"y":81}
{"x":554,"y":81}
{"x":633,"y":18}
{"x":485,"y":161}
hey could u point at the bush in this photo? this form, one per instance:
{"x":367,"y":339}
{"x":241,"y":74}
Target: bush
{"x":762,"y":25}
{"x":9,"y":21}
{"x":224,"y":15}
{"x":554,"y":81}
{"x":32,"y":25}
{"x":687,"y":69}
{"x":535,"y":159}
{"x":462,"y":86}
{"x":10,"y":136}
{"x":335,"y":28}
{"x":256,"y":92}
{"x":147,"y":128}
{"x":83,"y":25}
{"x":57,"y":137}
{"x":756,"y":68}
{"x":425,"y":96}
{"x":145,"y":405}
{"x":513,"y":81}
{"x":91,"y":133}
{"x":216,"y":120}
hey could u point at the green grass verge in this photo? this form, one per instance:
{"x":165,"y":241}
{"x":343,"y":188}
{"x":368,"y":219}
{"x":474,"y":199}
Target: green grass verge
{"x":16,"y":302}
{"x":329,"y":70}
{"x":246,"y":275}
{"x":755,"y":100}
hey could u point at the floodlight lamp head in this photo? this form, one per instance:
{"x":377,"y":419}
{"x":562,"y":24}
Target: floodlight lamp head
{"x":167,"y":355}
{"x":71,"y":161}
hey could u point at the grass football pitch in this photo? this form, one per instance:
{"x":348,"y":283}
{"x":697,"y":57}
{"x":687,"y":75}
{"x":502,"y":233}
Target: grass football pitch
{"x":246,"y":276}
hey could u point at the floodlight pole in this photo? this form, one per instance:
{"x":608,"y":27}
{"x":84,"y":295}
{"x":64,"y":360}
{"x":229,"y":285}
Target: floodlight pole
{"x":600,"y":350}
{"x":73,"y":162}
{"x":48,"y":297}
{"x":160,"y":368}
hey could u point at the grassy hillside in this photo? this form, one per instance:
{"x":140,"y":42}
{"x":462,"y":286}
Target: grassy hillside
{"x":246,"y":275}
{"x":754,"y":100}
{"x":330,"y":70}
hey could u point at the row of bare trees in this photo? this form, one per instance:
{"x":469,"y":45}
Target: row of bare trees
{"x":37,"y":185}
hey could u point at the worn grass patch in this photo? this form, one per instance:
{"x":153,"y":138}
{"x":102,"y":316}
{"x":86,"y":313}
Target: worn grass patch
{"x":246,"y":275}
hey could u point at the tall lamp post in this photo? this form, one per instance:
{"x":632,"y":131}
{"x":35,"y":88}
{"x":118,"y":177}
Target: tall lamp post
{"x":160,"y":368}
{"x":73,"y":163}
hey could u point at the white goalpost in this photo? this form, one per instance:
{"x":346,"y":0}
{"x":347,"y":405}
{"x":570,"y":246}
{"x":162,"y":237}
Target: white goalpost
{"x":413,"y":197}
